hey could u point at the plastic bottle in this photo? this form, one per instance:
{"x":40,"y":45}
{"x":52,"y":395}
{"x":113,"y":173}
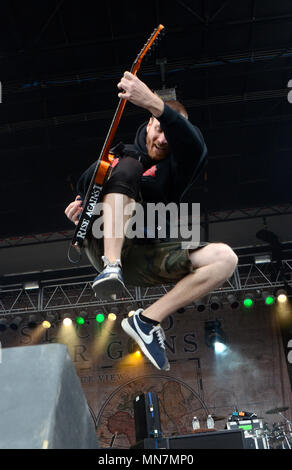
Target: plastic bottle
{"x":196,"y":423}
{"x":210,"y":422}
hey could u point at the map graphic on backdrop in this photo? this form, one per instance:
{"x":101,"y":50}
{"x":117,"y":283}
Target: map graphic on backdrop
{"x":177,"y":403}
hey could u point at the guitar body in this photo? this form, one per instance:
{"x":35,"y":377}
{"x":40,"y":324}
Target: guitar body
{"x":104,"y":164}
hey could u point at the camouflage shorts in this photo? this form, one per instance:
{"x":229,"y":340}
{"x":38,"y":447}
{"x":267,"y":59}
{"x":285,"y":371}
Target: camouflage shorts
{"x":149,"y":264}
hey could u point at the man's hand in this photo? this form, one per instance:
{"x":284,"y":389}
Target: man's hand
{"x":74,"y":210}
{"x":135,"y":91}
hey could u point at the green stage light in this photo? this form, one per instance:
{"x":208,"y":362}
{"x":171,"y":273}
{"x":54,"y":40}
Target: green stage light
{"x":80,"y":320}
{"x":99,"y":318}
{"x":269,"y":298}
{"x":248,"y":301}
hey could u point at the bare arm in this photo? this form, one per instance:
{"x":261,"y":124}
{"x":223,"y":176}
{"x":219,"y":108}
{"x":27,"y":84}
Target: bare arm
{"x":135,"y":91}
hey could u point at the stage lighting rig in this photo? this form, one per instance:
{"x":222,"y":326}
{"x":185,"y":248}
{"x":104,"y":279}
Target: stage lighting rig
{"x":214,"y":336}
{"x":233,"y":301}
{"x":215,"y":303}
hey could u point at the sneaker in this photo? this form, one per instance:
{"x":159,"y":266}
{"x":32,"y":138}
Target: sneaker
{"x":109,"y":283}
{"x":150,"y":338}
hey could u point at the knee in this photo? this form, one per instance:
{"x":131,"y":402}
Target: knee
{"x":227,"y":257}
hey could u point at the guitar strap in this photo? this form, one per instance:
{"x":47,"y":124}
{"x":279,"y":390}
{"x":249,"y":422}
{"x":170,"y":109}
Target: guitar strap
{"x":118,"y":151}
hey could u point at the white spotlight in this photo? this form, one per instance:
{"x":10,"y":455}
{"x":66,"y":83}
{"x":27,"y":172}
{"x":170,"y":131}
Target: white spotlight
{"x":31,"y":285}
{"x":219,"y":347}
{"x":67,"y":321}
{"x":281,"y":296}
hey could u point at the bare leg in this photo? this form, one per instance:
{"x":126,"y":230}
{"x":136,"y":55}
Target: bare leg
{"x":115,"y":224}
{"x":214,"y":264}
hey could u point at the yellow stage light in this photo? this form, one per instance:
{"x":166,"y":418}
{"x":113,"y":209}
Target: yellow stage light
{"x":112,"y":316}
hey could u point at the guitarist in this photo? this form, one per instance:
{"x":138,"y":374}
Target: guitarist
{"x":168,"y":155}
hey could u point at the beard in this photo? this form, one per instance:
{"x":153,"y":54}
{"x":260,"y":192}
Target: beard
{"x":155,"y":151}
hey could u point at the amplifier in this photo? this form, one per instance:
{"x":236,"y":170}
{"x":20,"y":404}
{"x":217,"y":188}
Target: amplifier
{"x":207,"y":440}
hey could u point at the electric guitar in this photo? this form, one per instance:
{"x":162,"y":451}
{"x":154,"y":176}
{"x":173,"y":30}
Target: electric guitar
{"x":103,"y":166}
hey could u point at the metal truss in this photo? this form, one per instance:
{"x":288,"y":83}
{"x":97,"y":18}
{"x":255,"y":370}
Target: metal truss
{"x":249,"y":213}
{"x":179,"y":64}
{"x":96,"y":115}
{"x":69,"y":296}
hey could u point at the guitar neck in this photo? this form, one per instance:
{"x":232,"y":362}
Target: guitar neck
{"x":112,"y":130}
{"x":94,"y":190}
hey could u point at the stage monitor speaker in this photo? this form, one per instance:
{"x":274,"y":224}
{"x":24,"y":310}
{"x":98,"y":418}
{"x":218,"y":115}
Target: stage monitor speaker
{"x":147,"y":416}
{"x":208,"y":440}
{"x":42,"y":404}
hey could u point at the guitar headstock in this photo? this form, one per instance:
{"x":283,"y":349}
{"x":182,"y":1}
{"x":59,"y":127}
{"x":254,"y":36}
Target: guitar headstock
{"x":146,"y":48}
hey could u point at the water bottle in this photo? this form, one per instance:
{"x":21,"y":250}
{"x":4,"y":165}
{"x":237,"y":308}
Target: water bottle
{"x":210,"y":422}
{"x":196,"y":423}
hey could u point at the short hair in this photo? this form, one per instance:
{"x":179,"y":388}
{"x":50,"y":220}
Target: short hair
{"x":177,"y":106}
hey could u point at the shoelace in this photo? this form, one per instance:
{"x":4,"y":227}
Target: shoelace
{"x":160,"y":335}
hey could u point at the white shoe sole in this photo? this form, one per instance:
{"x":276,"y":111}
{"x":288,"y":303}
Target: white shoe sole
{"x":109,"y":288}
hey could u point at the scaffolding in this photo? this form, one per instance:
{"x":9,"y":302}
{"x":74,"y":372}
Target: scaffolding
{"x":61,"y":295}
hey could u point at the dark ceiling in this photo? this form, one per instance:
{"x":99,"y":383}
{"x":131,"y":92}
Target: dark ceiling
{"x":60,"y":61}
